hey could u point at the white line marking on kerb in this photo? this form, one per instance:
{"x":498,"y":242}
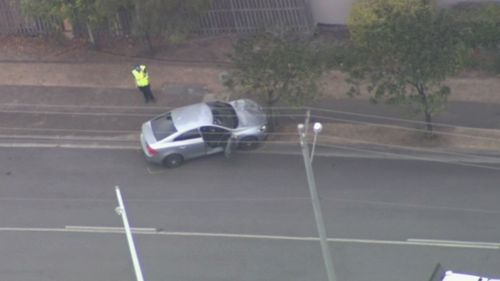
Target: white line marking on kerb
{"x":154,"y":231}
{"x":429,"y":241}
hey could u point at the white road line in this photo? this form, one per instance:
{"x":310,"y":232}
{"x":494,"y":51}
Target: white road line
{"x":66,"y":130}
{"x":129,"y":137}
{"x":75,"y":146}
{"x":153,"y":231}
{"x":429,"y":241}
{"x":98,"y":114}
{"x":148,"y":107}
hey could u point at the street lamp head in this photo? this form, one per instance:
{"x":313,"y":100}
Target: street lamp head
{"x":300,"y":127}
{"x":119,"y":210}
{"x":317,"y":127}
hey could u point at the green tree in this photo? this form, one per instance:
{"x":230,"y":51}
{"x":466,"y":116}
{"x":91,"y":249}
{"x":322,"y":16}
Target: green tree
{"x":170,"y":19}
{"x":276,"y":68}
{"x":404,"y":50}
{"x":91,"y":13}
{"x":479,"y":23}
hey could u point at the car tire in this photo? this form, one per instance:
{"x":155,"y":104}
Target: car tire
{"x":248,"y":143}
{"x":173,"y":161}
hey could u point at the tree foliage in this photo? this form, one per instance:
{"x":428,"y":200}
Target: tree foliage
{"x":91,"y":12}
{"x":404,"y":49}
{"x":151,"y":18}
{"x":479,"y":22}
{"x":276,"y":68}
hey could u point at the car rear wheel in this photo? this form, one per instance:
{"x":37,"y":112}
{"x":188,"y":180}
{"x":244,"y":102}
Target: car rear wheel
{"x":173,"y":161}
{"x":248,"y":143}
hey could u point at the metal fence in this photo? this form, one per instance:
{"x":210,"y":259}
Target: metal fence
{"x":243,"y":16}
{"x":225,"y":16}
{"x":12,"y":21}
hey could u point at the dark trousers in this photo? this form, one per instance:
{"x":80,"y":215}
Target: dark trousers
{"x":148,"y":94}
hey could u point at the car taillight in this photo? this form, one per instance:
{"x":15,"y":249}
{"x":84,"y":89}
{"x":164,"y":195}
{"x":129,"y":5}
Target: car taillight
{"x":151,"y":151}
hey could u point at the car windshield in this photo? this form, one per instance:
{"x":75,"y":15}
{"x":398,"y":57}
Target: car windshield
{"x":223,"y":114}
{"x":163,"y":126}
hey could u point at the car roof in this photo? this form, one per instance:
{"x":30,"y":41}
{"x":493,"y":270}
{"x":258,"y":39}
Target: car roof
{"x":191,"y":116}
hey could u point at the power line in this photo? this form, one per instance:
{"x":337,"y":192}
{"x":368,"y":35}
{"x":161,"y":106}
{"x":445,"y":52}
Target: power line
{"x":385,"y":145}
{"x":277,"y":114}
{"x":412,"y":157}
{"x":417,"y":149}
{"x":413,"y":129}
{"x":374,"y":116}
{"x":404,"y":156}
{"x":436,"y":132}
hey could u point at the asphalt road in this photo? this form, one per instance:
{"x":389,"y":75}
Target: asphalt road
{"x":244,"y":218}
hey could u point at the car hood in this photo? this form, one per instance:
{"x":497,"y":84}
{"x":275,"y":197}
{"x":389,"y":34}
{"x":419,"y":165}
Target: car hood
{"x":249,"y":113}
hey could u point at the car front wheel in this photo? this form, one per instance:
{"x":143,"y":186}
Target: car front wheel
{"x":173,"y":161}
{"x":248,"y":143}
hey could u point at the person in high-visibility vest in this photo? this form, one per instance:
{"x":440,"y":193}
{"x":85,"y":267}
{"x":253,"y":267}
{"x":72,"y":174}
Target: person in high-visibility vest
{"x":142,"y":81}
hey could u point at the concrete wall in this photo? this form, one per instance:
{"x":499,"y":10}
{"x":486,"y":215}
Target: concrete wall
{"x":337,"y":11}
{"x":330,"y":11}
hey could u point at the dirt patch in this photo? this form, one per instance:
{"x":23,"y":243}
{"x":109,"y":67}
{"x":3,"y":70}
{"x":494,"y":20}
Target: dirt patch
{"x":38,"y":48}
{"x":468,"y":87}
{"x":43,"y":49}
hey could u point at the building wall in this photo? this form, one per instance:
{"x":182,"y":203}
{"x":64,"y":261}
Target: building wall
{"x":330,"y":11}
{"x":337,"y":11}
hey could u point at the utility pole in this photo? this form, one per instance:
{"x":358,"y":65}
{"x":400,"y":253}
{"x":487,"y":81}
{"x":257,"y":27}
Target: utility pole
{"x":120,"y":210}
{"x":327,"y":258}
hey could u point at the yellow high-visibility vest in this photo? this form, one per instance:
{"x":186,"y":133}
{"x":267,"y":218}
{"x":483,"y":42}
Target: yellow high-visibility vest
{"x":141,"y":76}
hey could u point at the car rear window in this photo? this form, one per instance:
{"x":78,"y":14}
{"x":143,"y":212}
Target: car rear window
{"x":163,"y":126}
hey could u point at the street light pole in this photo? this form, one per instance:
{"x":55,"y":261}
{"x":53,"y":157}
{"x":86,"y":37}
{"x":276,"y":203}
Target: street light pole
{"x":327,"y":258}
{"x":120,"y":210}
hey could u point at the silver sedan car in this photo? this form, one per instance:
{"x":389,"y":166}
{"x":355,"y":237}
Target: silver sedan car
{"x":203,"y":129}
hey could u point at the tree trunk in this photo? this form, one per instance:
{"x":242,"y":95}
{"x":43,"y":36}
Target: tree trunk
{"x":428,"y":122}
{"x":149,"y":43}
{"x":270,"y":118}
{"x":427,"y":114}
{"x":68,"y":29}
{"x":143,"y":26}
{"x":91,"y":36}
{"x":270,"y":103}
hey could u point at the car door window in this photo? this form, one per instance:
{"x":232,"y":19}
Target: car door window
{"x":193,"y":134}
{"x":215,"y":136}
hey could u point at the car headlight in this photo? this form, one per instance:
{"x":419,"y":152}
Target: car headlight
{"x":263,"y":128}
